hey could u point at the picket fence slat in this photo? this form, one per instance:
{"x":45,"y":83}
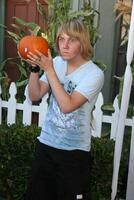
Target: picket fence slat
{"x":11,"y":115}
{"x":27,"y":109}
{"x":97,"y":117}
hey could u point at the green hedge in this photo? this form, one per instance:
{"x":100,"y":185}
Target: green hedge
{"x":17,"y":145}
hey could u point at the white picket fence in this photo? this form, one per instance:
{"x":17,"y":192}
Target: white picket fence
{"x":27,"y":109}
{"x":12,"y":106}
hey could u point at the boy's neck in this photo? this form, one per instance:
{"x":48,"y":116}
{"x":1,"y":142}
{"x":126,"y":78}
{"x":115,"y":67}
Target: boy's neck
{"x":72,"y":65}
{"x":76,"y":63}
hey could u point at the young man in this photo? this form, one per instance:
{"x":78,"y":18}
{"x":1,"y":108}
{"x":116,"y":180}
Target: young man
{"x":61,"y":169}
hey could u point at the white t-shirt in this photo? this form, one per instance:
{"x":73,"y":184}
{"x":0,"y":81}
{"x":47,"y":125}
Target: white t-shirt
{"x":71,"y":131}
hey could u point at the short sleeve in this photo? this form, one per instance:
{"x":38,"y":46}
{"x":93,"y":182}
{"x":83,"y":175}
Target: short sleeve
{"x":91,"y":85}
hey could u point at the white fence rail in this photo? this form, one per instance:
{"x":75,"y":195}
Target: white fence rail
{"x":98,"y":119}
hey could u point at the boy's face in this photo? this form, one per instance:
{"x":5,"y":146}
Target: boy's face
{"x":69,"y":47}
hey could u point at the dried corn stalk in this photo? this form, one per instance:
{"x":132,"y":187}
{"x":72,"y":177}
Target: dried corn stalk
{"x":123,"y":8}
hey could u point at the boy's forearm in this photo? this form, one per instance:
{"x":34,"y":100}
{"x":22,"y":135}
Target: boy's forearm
{"x":63,"y":99}
{"x":34,"y":87}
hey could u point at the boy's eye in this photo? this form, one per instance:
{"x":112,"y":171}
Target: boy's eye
{"x":73,"y":39}
{"x":61,"y":39}
{"x":69,"y":40}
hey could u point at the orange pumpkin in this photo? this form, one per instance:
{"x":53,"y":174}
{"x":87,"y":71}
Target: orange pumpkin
{"x":32,"y":43}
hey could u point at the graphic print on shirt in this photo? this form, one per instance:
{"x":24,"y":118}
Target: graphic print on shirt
{"x":70,"y":87}
{"x":64,"y":121}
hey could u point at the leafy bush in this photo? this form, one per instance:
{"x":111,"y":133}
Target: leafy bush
{"x":102,"y":152}
{"x":17,"y":145}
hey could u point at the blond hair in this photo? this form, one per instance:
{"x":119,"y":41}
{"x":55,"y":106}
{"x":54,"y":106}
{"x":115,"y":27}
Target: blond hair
{"x":75,"y":28}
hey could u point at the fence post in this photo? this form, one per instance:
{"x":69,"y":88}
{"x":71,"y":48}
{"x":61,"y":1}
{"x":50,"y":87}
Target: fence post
{"x":130,"y":182}
{"x":11,"y":114}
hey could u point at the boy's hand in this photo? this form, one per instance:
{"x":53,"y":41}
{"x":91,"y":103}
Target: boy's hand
{"x":45,"y":62}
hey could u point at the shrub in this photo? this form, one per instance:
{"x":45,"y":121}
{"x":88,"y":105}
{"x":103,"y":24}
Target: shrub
{"x":17,"y":144}
{"x":102,"y":151}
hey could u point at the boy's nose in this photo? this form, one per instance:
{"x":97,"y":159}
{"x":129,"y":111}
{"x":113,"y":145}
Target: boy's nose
{"x":66,"y":43}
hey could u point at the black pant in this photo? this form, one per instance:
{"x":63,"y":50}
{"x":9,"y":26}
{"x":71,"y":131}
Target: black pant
{"x":59,"y":175}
